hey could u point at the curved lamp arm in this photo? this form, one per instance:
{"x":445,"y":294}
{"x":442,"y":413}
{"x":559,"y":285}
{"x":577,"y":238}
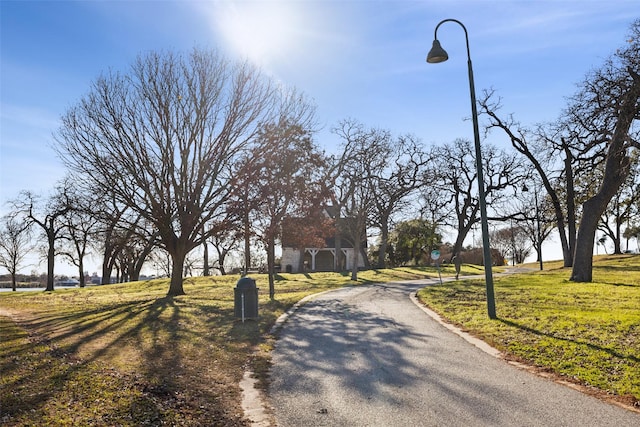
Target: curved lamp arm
{"x":436,"y":59}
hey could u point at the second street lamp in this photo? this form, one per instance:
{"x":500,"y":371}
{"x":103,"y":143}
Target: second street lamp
{"x":438,"y":54}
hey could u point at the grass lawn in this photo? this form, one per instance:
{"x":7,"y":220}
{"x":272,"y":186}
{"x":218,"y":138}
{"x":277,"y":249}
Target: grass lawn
{"x":127,"y":355}
{"x":588,"y":333}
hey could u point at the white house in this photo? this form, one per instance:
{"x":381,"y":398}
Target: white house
{"x":297,"y":260}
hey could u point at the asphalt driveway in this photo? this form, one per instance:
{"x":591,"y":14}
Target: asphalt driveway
{"x":368,"y":356}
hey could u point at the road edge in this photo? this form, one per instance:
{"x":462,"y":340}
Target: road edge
{"x":254,"y":402}
{"x":482,"y":345}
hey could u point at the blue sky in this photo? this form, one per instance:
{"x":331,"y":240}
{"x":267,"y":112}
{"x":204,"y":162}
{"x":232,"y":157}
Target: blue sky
{"x":357,"y":59}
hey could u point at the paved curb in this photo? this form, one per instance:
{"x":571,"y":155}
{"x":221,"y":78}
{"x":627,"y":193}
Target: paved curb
{"x":280,"y":321}
{"x":467,"y":337}
{"x":532,"y":370}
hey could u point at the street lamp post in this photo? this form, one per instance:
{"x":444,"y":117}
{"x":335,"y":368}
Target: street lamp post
{"x":438,"y":54}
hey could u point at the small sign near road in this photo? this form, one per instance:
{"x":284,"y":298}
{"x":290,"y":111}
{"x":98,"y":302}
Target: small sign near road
{"x":435,"y":255}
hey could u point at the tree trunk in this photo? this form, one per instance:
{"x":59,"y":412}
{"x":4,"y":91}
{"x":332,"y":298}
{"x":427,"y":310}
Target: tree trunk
{"x":108,"y":262}
{"x":247,"y":241}
{"x":13,"y":281}
{"x":457,"y":246}
{"x":463,"y":231}
{"x":339,"y":257}
{"x":126,"y":271}
{"x":136,"y":268}
{"x":615,"y":173}
{"x":384,"y":242}
{"x":107,"y":269}
{"x":356,"y":254}
{"x":205,"y":263}
{"x":539,"y":254}
{"x":568,"y":254}
{"x":363,"y":252}
{"x":271,"y":266}
{"x":337,"y":260}
{"x":177,"y":265}
{"x":81,"y":273}
{"x":221,"y":257}
{"x":617,"y":240}
{"x":301,"y":261}
{"x":582,"y":264}
{"x":51,"y":259}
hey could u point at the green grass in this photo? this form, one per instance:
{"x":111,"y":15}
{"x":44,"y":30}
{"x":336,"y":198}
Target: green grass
{"x":585,"y":332}
{"x":127,"y":355}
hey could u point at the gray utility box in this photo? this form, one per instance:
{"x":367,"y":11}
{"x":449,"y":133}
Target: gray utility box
{"x":246,"y":299}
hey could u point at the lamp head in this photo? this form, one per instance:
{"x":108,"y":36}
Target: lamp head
{"x":437,"y":53}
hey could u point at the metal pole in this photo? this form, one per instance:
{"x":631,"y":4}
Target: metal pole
{"x":513,"y":243}
{"x":242,"y":298}
{"x":488,"y":272}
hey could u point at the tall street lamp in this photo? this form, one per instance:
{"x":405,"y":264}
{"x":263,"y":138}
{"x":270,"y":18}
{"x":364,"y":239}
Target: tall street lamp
{"x":438,"y":54}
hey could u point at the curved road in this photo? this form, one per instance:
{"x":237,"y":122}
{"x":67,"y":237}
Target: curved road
{"x":368,"y":356}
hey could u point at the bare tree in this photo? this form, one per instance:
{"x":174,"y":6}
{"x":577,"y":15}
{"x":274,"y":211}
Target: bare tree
{"x":243,"y":201}
{"x":205,"y":257}
{"x":110,"y":239}
{"x":402,"y":175}
{"x":610,"y":103}
{"x":286,"y":169}
{"x":224,"y":240}
{"x":136,"y":244}
{"x":621,"y":207}
{"x":454,"y":180}
{"x":80,"y":225}
{"x":15,"y":243}
{"x":355,"y":174}
{"x":47,"y":216}
{"x":341,"y":184}
{"x":123,"y":237}
{"x":512,"y":242}
{"x":542,"y":147}
{"x":164,"y":137}
{"x":435,"y":204}
{"x":539,"y":222}
{"x":591,"y":136}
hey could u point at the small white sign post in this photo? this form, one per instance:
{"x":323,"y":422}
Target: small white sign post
{"x":435,"y":255}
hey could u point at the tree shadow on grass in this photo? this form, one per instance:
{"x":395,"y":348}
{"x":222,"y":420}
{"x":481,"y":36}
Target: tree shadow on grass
{"x":97,"y":343}
{"x":628,"y":285}
{"x":630,"y":357}
{"x":53,"y":345}
{"x":618,"y":268}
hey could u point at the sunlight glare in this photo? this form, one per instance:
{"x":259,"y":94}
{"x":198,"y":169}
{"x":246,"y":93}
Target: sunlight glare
{"x":261,"y":31}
